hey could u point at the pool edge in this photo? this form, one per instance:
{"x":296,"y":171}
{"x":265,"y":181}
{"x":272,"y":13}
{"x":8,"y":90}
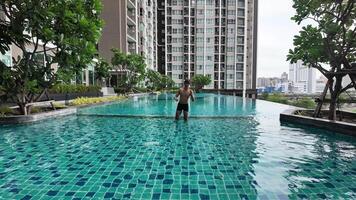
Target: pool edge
{"x":337,"y":126}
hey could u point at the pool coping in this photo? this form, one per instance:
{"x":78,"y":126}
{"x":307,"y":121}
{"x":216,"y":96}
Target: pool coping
{"x":331,"y":125}
{"x":20,"y":119}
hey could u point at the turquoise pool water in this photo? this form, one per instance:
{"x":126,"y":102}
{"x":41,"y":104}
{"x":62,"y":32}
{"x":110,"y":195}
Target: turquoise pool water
{"x":115,"y":152}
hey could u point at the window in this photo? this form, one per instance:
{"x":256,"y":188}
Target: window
{"x":241,"y":3}
{"x":231,"y":2}
{"x":240,"y":31}
{"x":230,"y":21}
{"x":239,"y":67}
{"x":241,"y":12}
{"x":240,"y":40}
{"x":240,"y":22}
{"x":200,"y":30}
{"x":240,"y":49}
{"x":209,"y":21}
{"x":239,"y":75}
{"x":200,"y":39}
{"x":177,"y":21}
{"x":177,"y":58}
{"x":209,"y":58}
{"x":231,"y":12}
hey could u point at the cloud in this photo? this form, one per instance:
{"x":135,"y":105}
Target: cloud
{"x":275,"y":36}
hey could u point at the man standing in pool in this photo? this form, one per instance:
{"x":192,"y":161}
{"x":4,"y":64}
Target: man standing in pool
{"x":184,"y":94}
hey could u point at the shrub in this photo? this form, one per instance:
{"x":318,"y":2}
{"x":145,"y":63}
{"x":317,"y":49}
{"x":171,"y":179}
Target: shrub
{"x":70,"y":88}
{"x":199,"y":81}
{"x":264,"y":95}
{"x":4,"y":110}
{"x":278,"y":98}
{"x":119,"y":90}
{"x":35,"y":110}
{"x":59,"y":105}
{"x":92,"y":100}
{"x":304,"y":102}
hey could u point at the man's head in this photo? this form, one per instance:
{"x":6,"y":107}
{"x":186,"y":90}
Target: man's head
{"x":186,"y":83}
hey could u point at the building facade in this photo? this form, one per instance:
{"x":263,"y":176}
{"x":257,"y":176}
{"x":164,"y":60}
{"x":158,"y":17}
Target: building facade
{"x":303,"y":78}
{"x":217,"y":38}
{"x":129,"y":25}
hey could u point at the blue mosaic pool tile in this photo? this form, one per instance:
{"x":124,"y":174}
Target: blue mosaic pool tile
{"x":96,"y":158}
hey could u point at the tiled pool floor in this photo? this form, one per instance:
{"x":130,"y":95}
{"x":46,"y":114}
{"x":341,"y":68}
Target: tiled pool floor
{"x":164,"y":159}
{"x":241,"y":157}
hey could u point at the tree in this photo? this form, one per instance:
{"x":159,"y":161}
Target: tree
{"x":133,"y":64}
{"x":49,"y":34}
{"x":329,"y":44}
{"x":153,"y":79}
{"x":102,"y":70}
{"x":166,"y":82}
{"x":199,"y":81}
{"x":156,"y":81}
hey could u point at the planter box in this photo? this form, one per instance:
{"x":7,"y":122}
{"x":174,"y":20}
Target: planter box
{"x":335,"y":126}
{"x":37,"y":117}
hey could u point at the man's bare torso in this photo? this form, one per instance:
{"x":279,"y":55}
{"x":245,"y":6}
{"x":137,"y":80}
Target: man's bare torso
{"x":184,"y":95}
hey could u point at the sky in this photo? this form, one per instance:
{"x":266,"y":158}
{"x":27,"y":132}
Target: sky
{"x":275,"y":36}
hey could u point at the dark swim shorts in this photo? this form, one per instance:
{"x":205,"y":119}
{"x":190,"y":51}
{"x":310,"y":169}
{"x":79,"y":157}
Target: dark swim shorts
{"x":181,"y":107}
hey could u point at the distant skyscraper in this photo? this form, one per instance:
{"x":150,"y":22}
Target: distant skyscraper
{"x":302,"y":77}
{"x":217,"y":38}
{"x":284,"y":77}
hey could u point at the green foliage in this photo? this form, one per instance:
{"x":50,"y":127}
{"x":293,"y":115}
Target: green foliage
{"x":70,"y":88}
{"x":59,"y":105}
{"x":102,"y":69}
{"x":134,"y":65}
{"x":199,"y":81}
{"x":264,"y":95}
{"x":47,"y":33}
{"x":304,"y":102}
{"x":35,"y":110}
{"x":156,"y":81}
{"x":278,"y":98}
{"x":5,"y":110}
{"x":329,"y":41}
{"x":93,"y":100}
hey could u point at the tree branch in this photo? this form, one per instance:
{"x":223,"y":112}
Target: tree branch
{"x":349,"y":86}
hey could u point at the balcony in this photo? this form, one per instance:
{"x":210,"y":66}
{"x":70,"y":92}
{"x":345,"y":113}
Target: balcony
{"x":131,"y":47}
{"x":131,"y":32}
{"x":131,"y":4}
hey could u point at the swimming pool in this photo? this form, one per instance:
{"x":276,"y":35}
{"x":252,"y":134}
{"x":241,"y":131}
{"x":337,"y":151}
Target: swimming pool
{"x":230,"y":148}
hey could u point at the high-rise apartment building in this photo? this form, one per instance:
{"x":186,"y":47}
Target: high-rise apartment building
{"x":129,"y":25}
{"x":302,"y":77}
{"x":217,"y":38}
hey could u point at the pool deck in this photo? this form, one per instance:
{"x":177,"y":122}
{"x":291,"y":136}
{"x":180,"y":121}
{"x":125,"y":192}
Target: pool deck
{"x":337,"y":126}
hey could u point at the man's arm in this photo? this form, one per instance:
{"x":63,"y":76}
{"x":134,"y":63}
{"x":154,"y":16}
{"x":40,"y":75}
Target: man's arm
{"x":178,"y":93}
{"x":176,"y":97}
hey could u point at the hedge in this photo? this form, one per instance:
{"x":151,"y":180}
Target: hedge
{"x":70,"y":88}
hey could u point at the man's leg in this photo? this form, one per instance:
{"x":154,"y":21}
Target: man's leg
{"x":185,"y":115}
{"x":178,"y":114}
